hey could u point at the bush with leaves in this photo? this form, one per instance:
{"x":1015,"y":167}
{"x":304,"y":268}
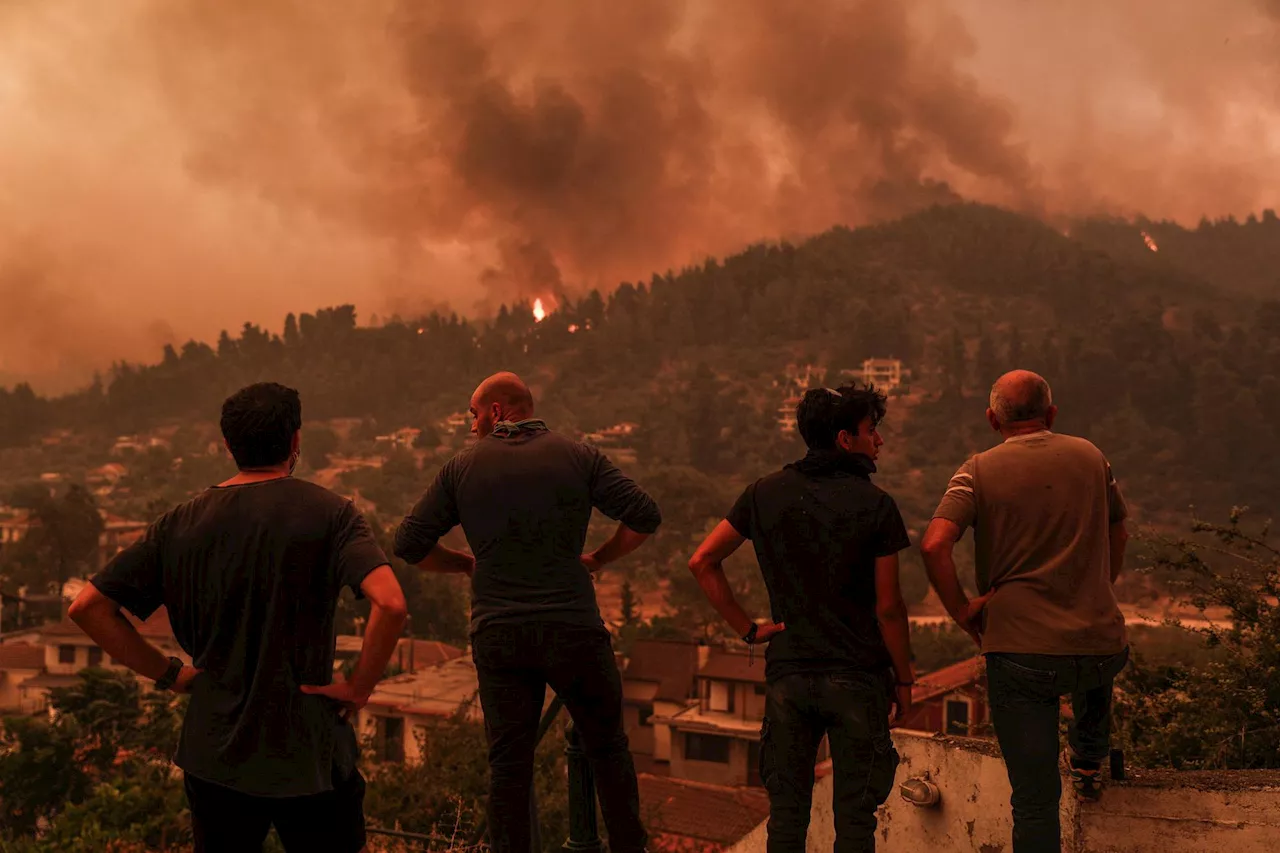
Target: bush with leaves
{"x":1223,"y":713}
{"x":99,"y":764}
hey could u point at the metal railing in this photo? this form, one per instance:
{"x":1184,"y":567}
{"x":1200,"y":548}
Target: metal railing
{"x":584,"y":832}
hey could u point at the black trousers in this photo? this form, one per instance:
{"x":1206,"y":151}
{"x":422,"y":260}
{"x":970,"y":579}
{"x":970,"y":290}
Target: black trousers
{"x":515,"y":662}
{"x":1024,"y":693}
{"x":224,"y":820}
{"x":852,"y":709}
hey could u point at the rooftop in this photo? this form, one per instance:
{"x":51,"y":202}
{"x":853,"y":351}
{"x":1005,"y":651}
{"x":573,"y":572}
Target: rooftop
{"x":724,"y":665}
{"x":948,"y":679}
{"x":671,"y":664}
{"x":437,"y":691}
{"x":713,"y":813}
{"x":21,"y":656}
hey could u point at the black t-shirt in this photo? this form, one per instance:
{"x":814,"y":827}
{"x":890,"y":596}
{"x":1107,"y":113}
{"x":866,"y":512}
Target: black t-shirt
{"x":818,"y":526}
{"x":524,"y":502}
{"x":250,"y":576}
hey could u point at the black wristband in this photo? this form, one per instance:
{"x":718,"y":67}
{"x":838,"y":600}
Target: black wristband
{"x":750,"y":637}
{"x":166,"y":681}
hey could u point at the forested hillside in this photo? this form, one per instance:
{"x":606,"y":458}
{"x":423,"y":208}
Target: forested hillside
{"x":1174,"y":376}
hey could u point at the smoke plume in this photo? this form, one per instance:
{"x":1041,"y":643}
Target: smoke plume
{"x":171,"y":169}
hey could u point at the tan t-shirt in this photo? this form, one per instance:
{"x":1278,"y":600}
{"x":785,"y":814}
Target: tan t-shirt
{"x":1041,"y":506}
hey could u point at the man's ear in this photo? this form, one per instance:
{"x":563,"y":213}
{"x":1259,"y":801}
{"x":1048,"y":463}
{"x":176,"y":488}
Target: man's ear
{"x":1050,"y":415}
{"x":993,"y":420}
{"x":844,"y":440}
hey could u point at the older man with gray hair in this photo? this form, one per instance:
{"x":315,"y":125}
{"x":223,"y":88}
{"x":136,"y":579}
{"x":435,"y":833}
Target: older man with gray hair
{"x":1049,"y":539}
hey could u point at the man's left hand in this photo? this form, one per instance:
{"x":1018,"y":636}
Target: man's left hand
{"x":973,"y":616}
{"x":591,"y":563}
{"x":186,"y":676}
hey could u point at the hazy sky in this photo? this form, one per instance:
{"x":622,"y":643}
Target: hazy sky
{"x":171,"y":169}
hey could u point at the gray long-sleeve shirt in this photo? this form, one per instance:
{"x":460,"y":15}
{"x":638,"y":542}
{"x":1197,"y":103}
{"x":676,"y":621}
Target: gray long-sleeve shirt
{"x":524,"y":502}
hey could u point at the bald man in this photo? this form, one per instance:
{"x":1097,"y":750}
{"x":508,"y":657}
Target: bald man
{"x":1049,"y":538}
{"x":524,"y":496}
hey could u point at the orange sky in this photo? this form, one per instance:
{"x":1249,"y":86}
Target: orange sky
{"x":169,"y":170}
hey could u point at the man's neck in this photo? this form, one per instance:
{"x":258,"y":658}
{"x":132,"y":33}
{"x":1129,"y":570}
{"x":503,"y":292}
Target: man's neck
{"x":258,"y":475}
{"x":1015,"y":430}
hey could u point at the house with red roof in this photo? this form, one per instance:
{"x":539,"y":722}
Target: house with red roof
{"x":951,"y":700}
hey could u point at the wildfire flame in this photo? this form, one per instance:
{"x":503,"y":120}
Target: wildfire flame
{"x":539,"y":313}
{"x":1151,"y":244}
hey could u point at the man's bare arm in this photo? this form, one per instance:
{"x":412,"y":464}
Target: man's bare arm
{"x":891,"y":611}
{"x":447,"y":561}
{"x":707,"y":565}
{"x":937,"y":549}
{"x":623,"y":541}
{"x":386,"y":621}
{"x":102,"y":619}
{"x":1119,"y":537}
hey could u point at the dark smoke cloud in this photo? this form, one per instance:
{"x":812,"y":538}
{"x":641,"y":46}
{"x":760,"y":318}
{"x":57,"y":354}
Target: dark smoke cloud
{"x":210,"y":161}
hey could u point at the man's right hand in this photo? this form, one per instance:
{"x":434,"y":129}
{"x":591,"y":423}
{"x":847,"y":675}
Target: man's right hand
{"x":343,"y":692}
{"x":900,"y":704}
{"x":768,"y":631}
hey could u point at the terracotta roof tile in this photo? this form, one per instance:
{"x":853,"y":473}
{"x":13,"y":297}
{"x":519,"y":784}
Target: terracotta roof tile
{"x":713,"y":813}
{"x":949,"y":678}
{"x":21,"y":656}
{"x":672,"y":664}
{"x":725,"y":665}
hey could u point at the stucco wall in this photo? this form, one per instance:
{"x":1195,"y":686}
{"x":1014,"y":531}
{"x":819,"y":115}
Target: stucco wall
{"x":1161,"y":813}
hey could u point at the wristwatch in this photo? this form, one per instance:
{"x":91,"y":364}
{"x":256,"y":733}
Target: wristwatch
{"x":166,"y":681}
{"x":750,"y":637}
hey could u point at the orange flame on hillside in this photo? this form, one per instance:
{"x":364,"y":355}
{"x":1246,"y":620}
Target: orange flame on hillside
{"x":539,"y":313}
{"x":1151,"y":244}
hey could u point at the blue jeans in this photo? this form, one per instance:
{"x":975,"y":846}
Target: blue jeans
{"x":1024,"y":692}
{"x":852,"y":709}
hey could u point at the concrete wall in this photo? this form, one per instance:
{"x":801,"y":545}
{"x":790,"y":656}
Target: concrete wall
{"x":735,"y":772}
{"x":1160,"y":813}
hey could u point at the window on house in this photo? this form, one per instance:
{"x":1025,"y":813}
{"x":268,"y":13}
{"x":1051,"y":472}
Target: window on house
{"x":712,"y":748}
{"x":956,"y":717}
{"x":646,"y":711}
{"x":95,"y":656}
{"x":392,"y":738}
{"x":720,"y":697}
{"x":66,"y":654}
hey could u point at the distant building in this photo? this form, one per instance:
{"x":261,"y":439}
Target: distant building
{"x":885,"y":374}
{"x":401,"y":706}
{"x":137,"y":444}
{"x":14,"y":524}
{"x":798,"y":380}
{"x":405,"y":437}
{"x":62,"y":650}
{"x":616,"y":442}
{"x":410,"y":655}
{"x":658,"y":682}
{"x":118,"y":533}
{"x":717,"y":739}
{"x":951,"y":700}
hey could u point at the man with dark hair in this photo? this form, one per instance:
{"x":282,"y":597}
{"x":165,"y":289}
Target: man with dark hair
{"x":1049,"y":541}
{"x":524,"y":496}
{"x":839,"y":656}
{"x":250,"y":572}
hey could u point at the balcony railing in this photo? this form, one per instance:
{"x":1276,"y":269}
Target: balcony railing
{"x":584,"y":832}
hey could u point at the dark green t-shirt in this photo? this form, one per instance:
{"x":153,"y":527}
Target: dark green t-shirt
{"x":818,"y":526}
{"x":524,"y":501}
{"x":250,"y":576}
